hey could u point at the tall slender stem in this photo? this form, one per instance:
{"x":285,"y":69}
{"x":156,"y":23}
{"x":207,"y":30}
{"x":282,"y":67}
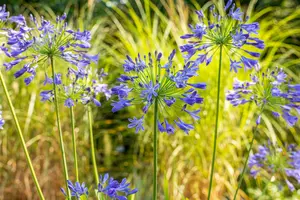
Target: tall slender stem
{"x":61,"y":140}
{"x":12,"y":110}
{"x":245,"y":164}
{"x":155,"y":139}
{"x":249,"y":150}
{"x":74,"y":144}
{"x":92,"y":144}
{"x":216,"y":126}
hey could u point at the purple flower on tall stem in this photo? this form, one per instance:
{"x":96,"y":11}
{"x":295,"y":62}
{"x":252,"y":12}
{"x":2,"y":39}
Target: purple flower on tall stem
{"x":227,"y":29}
{"x":270,"y":91}
{"x":147,"y":84}
{"x":34,"y":46}
{"x":282,"y":163}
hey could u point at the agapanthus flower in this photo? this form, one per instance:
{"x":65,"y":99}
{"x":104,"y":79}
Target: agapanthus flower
{"x":1,"y":120}
{"x":277,"y":162}
{"x":3,"y":13}
{"x":227,"y":29}
{"x":33,"y":46}
{"x":78,"y":86}
{"x":77,"y":189}
{"x":270,"y":91}
{"x":147,"y":81}
{"x":113,"y":189}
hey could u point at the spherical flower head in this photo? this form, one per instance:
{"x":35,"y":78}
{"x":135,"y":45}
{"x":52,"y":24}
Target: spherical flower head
{"x":32,"y":47}
{"x":83,"y":86}
{"x":77,"y":190}
{"x":270,"y":91}
{"x":2,"y":121}
{"x":277,"y":162}
{"x":147,"y":81}
{"x":114,"y":189}
{"x":227,"y":29}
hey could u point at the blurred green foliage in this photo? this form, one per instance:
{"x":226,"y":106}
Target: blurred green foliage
{"x":141,"y":27}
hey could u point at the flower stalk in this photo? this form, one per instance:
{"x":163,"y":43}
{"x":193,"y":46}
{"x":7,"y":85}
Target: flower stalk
{"x":248,"y":152}
{"x":246,"y":162}
{"x":74,"y":144}
{"x":20,"y":134}
{"x":216,"y":125}
{"x":92,"y":144}
{"x":155,"y":140}
{"x":66,"y":176}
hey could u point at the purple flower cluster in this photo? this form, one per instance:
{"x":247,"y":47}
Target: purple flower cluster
{"x":147,"y":82}
{"x":270,"y":91}
{"x":77,"y":190}
{"x":113,"y":189}
{"x":276,"y":161}
{"x":81,"y":86}
{"x":34,"y":46}
{"x":294,"y":169}
{"x":257,"y":161}
{"x":228,"y":31}
{"x":1,"y":120}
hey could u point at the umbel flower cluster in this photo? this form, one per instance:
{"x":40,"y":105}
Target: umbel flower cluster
{"x":271,"y":91}
{"x":108,"y":188}
{"x":228,"y":30}
{"x":1,"y":120}
{"x":80,"y":86}
{"x":275,"y":161}
{"x":33,"y":46}
{"x":147,"y":82}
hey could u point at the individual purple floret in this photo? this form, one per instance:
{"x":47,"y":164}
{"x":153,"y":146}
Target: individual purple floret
{"x":77,"y":190}
{"x":113,"y":189}
{"x":276,"y":161}
{"x":2,"y":122}
{"x":69,"y":102}
{"x":31,"y":47}
{"x":224,"y":29}
{"x":270,"y":91}
{"x":3,"y":14}
{"x":47,"y":95}
{"x":147,"y":81}
{"x":137,"y":124}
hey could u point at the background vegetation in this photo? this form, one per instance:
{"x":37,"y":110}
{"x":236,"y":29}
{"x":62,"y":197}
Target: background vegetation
{"x":131,"y":27}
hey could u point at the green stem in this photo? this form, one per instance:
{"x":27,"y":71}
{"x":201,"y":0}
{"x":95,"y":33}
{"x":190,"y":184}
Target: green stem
{"x":61,"y":140}
{"x":245,"y":164}
{"x":155,"y":150}
{"x":92,"y":144}
{"x":216,"y":126}
{"x":248,"y":152}
{"x":74,"y":144}
{"x":21,"y":138}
